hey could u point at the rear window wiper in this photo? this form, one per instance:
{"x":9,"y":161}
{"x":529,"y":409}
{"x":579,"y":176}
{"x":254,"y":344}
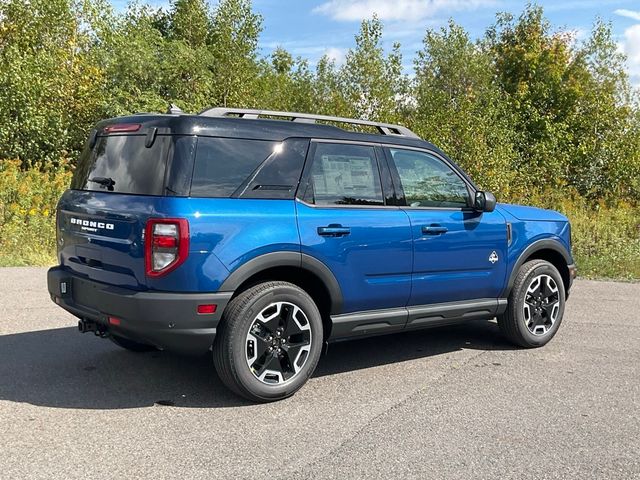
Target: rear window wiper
{"x":104,"y":181}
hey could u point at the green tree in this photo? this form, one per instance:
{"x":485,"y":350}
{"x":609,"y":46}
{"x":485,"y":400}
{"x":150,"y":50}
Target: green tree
{"x":284,"y":83}
{"x":186,"y":58}
{"x":604,"y":125}
{"x":573,"y":115}
{"x":373,"y":82}
{"x":189,"y":21}
{"x":233,"y":42}
{"x":461,"y":109}
{"x":533,"y":69}
{"x":328,"y":93}
{"x":130,"y":51}
{"x":49,"y":90}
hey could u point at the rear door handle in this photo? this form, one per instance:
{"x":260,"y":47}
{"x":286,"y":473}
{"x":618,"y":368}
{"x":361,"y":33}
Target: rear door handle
{"x":334,"y":231}
{"x":434,"y":230}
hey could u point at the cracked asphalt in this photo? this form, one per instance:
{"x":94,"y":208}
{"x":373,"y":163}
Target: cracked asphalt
{"x":452,"y":402}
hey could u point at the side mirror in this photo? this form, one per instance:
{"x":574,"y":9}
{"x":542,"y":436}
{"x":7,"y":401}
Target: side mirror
{"x":484,"y":202}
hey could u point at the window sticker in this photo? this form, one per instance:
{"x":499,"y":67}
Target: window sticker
{"x":343,"y":175}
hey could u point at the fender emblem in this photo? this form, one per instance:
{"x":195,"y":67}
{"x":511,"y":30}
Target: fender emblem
{"x":493,"y":258}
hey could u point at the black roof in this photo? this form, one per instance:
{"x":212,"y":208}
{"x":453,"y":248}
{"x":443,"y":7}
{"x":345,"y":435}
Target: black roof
{"x":258,"y":129}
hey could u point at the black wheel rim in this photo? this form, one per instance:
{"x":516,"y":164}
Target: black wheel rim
{"x":541,"y":304}
{"x":278,"y":343}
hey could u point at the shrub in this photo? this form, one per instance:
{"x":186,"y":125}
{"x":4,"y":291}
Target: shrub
{"x":605,"y":235}
{"x":606,"y":240}
{"x":28,"y":199}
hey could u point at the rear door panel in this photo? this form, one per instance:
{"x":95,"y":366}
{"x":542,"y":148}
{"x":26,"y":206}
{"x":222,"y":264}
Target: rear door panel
{"x":372,"y":263}
{"x":372,"y":258}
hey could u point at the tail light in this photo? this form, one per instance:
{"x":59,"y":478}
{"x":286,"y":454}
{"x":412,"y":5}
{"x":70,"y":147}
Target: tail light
{"x":166,"y":245}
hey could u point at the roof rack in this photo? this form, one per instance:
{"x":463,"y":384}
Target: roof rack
{"x":383,"y":128}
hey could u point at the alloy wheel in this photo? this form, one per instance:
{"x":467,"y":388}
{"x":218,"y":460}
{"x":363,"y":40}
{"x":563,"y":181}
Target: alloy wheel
{"x":278,"y":343}
{"x":541,"y":304}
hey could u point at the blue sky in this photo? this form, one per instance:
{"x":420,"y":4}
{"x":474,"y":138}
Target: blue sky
{"x":311,"y":28}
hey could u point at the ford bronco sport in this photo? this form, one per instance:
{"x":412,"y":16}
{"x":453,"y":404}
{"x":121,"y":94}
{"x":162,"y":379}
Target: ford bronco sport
{"x":262,"y":235}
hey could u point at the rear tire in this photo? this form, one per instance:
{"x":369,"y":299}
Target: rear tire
{"x":536,"y":305}
{"x":131,"y":345}
{"x":268,"y":342}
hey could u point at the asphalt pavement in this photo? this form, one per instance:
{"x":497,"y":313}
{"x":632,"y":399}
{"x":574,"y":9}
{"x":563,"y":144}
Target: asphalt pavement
{"x":451,"y":402}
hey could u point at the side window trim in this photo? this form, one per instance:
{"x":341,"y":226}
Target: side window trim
{"x":471,"y":189}
{"x":304,"y":193}
{"x":389,"y":190}
{"x":304,"y":186}
{"x":395,"y":177}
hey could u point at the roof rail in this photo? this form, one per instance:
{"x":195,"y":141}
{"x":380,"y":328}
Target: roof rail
{"x":383,"y":128}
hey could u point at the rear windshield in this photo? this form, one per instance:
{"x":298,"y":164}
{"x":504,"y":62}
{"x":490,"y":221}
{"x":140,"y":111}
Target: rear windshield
{"x":123,"y":164}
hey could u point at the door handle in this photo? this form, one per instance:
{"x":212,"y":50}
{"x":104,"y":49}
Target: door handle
{"x":334,"y":231}
{"x":434,"y":230}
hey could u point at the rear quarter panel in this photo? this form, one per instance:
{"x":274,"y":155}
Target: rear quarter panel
{"x":225,"y":234}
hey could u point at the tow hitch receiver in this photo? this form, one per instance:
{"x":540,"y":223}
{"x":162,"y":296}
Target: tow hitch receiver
{"x":99,"y":330}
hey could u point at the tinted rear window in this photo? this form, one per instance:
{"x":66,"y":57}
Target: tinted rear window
{"x":223,"y":164}
{"x":278,"y":176}
{"x":122,"y":164}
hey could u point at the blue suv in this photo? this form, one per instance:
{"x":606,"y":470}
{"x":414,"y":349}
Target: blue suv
{"x":261,"y":236}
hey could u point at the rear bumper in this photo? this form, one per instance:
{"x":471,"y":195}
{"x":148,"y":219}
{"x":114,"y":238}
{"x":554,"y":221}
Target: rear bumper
{"x":164,"y":319}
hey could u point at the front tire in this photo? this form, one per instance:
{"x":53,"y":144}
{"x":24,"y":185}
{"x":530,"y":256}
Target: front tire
{"x":268,"y":342}
{"x":536,"y":305}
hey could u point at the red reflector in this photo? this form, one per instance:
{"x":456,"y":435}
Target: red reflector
{"x":114,"y":321}
{"x":207,"y":309}
{"x":165,"y":242}
{"x":122,"y":127}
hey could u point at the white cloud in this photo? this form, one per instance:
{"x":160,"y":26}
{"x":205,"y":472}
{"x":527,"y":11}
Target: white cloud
{"x":407,"y":10}
{"x":338,"y":55}
{"x":631,"y":47}
{"x":623,"y":12}
{"x":580,"y":34}
{"x":311,"y":50}
{"x":579,"y":5}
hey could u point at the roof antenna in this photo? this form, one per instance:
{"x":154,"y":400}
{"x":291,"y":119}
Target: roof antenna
{"x":174,"y":109}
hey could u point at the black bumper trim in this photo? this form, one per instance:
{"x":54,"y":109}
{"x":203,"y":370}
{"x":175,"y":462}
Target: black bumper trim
{"x":167,"y":320}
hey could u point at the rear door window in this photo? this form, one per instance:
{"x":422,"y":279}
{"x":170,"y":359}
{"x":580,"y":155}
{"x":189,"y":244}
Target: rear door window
{"x":344,"y":174}
{"x":123,"y":164}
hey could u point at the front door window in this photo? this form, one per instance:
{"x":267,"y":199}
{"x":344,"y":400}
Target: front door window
{"x":428,"y":181}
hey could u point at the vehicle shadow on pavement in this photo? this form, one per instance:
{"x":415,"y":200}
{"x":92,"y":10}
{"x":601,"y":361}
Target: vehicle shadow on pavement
{"x":61,"y":368}
{"x":410,"y":345}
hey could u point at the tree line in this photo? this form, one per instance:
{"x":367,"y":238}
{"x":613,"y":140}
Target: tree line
{"x":525,"y":109}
